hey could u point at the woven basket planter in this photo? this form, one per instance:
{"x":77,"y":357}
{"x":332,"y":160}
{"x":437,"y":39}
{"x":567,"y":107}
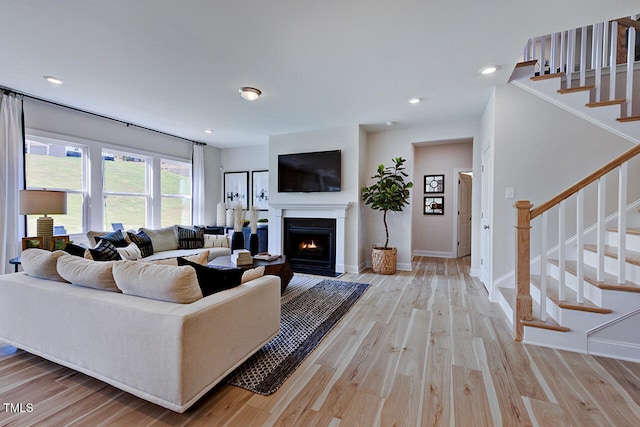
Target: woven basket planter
{"x":384,"y":260}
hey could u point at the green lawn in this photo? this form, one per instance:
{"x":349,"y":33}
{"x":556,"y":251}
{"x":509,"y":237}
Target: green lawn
{"x":123,"y":176}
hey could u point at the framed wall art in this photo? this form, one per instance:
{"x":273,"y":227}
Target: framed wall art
{"x":236,"y":186}
{"x":260,"y":189}
{"x":434,"y":183}
{"x":434,"y":205}
{"x":58,"y":243}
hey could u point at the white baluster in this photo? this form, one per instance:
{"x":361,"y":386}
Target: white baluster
{"x":583,"y":57}
{"x":594,"y":46}
{"x":561,"y":250}
{"x":552,"y":55}
{"x":597,"y":31}
{"x":612,"y":60}
{"x":631,"y":49}
{"x":622,"y":223}
{"x":571,"y":56}
{"x":542,"y":54}
{"x":563,"y":49}
{"x":602,"y":197}
{"x":605,"y":44}
{"x":543,"y":269}
{"x":580,"y":245}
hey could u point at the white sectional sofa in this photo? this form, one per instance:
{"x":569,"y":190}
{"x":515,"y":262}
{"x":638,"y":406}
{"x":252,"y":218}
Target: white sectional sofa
{"x":167,"y":353}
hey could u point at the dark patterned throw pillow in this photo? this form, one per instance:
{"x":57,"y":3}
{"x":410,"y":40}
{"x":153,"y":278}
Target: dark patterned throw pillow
{"x":211,"y":279}
{"x":190,"y":238}
{"x":142,"y":241}
{"x":116,"y":237}
{"x":105,"y":251}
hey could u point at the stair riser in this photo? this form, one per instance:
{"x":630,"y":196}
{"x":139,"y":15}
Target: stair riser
{"x":574,"y":319}
{"x":632,"y":271}
{"x":632,"y":241}
{"x":572,"y":341}
{"x":592,"y":293}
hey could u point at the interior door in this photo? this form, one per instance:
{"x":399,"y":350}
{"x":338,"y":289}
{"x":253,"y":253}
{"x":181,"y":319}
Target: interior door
{"x":464,"y":214}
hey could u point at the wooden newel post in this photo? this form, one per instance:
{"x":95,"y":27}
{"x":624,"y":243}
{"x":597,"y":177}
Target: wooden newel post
{"x":524,"y":310}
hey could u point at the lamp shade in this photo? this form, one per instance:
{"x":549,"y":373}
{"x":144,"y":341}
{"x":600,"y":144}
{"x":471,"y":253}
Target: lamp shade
{"x":42,"y":202}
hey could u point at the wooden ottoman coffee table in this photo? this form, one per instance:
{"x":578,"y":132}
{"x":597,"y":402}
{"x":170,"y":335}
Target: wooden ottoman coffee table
{"x":278,"y":267}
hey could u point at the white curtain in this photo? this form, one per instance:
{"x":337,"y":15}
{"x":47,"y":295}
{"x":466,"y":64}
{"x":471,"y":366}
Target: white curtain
{"x":11,"y":179}
{"x":197,"y":180}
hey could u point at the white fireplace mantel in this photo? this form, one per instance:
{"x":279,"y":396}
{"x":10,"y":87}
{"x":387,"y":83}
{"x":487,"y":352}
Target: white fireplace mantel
{"x":337,"y":211}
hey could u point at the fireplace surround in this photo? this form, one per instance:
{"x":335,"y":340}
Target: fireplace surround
{"x":310,"y":245}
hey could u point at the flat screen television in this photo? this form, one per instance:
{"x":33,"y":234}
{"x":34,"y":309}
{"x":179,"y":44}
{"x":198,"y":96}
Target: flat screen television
{"x":319,"y":171}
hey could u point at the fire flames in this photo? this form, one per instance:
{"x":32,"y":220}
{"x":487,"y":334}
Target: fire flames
{"x":308,"y":245}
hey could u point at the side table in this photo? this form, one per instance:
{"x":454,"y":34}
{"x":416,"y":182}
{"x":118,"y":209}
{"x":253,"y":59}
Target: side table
{"x":15,"y":262}
{"x":278,"y":267}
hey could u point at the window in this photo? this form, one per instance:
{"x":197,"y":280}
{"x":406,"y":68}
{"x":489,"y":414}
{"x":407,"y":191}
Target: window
{"x":175,"y":189}
{"x":125,"y":188}
{"x":57,"y":165}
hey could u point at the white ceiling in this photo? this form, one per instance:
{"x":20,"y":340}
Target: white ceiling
{"x":176,"y":65}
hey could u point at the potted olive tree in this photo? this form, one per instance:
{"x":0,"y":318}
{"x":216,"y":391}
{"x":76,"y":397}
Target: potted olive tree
{"x":389,"y":192}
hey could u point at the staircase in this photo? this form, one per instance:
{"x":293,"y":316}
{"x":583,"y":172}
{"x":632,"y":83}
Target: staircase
{"x":583,"y":292}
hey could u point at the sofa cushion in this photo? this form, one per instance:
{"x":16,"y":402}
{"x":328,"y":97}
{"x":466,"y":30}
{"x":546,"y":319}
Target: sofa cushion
{"x":115,"y":237}
{"x":87,"y":273}
{"x":163,"y":239}
{"x":104,"y":251}
{"x":143,"y":241}
{"x":190,"y":237}
{"x":216,"y":241}
{"x":131,"y":252}
{"x":252,"y":274}
{"x":41,"y":263}
{"x":160,"y":282}
{"x":212,"y":280}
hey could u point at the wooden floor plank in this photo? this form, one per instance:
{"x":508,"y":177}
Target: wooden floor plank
{"x":419,"y":348}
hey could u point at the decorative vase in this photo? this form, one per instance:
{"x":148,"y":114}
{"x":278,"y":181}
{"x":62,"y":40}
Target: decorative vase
{"x":253,"y":244}
{"x":237,"y":240}
{"x":383,"y":261}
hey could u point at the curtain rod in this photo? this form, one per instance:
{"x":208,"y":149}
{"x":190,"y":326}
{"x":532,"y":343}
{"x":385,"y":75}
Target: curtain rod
{"x":8,"y":91}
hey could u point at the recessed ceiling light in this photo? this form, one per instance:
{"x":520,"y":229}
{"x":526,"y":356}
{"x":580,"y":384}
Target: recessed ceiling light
{"x":390,"y":123}
{"x":53,"y":80}
{"x":208,"y":131}
{"x":488,"y":70}
{"x":249,"y":93}
{"x":415,"y":100}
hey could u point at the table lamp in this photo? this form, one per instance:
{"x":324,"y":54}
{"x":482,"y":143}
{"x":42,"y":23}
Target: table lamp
{"x":43,"y":202}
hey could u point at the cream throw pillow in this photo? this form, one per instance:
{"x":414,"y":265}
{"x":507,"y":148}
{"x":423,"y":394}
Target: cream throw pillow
{"x":201,"y":258}
{"x":84,"y":272}
{"x":163,"y":239}
{"x":216,"y":241}
{"x":42,"y":264}
{"x":252,"y":274}
{"x":131,"y":252}
{"x":160,"y":282}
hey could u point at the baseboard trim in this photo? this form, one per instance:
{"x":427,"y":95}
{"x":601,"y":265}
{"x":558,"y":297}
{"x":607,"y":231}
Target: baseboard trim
{"x":434,"y":254}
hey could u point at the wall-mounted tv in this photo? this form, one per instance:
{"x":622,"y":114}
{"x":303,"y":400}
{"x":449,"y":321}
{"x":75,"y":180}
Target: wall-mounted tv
{"x":319,"y":171}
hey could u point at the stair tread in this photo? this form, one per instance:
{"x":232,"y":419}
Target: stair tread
{"x":547,"y":76}
{"x":634,"y":231}
{"x":610,"y":281}
{"x":632,"y":257}
{"x":576,"y":89}
{"x":535,"y":322}
{"x":606,"y":103}
{"x":526,"y":63}
{"x":628,"y":119}
{"x":571,"y":297}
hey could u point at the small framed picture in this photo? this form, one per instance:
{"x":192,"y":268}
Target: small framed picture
{"x":32,"y":242}
{"x":260,"y":189}
{"x":434,"y":183}
{"x":58,"y":242}
{"x":236,"y":189}
{"x":434,"y":205}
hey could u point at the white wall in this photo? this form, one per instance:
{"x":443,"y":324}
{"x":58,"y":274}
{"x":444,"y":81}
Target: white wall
{"x":540,"y":150}
{"x":348,"y":139}
{"x":385,"y":145}
{"x":433,"y":234}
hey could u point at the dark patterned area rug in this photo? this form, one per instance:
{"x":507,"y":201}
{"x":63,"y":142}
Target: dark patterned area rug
{"x":310,"y":308}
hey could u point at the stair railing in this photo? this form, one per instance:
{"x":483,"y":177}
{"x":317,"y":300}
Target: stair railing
{"x":526,"y":213}
{"x":572,"y":52}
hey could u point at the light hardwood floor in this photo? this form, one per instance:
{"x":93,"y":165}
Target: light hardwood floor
{"x":420,"y":348}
